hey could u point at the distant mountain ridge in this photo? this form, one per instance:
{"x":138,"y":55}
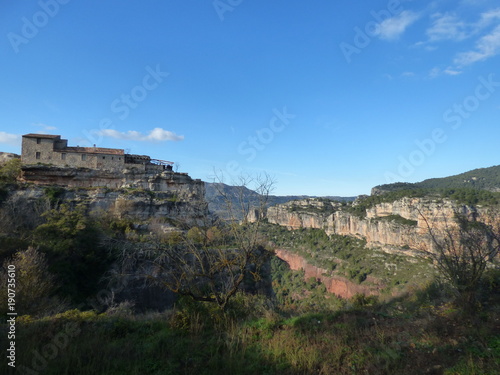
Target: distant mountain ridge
{"x":216,"y":203}
{"x":478,"y":179}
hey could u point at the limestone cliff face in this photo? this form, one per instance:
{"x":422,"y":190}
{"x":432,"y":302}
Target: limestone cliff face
{"x":307,"y":213}
{"x":183,"y":202}
{"x":154,"y":180}
{"x":399,"y":226}
{"x":337,"y":285}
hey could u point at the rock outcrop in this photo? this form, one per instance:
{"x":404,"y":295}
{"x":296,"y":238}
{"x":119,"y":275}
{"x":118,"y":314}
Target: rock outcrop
{"x":154,"y":180}
{"x":400,"y":226}
{"x":337,"y":285}
{"x":6,"y":156}
{"x":183,"y":202}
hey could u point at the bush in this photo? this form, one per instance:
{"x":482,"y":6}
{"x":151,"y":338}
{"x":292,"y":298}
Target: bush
{"x":72,"y":241}
{"x":10,"y":171}
{"x":33,"y":283}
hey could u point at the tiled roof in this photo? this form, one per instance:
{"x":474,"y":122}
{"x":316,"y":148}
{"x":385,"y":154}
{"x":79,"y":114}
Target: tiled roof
{"x":33,"y":135}
{"x":93,"y":150}
{"x":86,"y":150}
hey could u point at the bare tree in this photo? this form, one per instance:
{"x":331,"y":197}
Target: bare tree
{"x":461,"y":252}
{"x":20,"y":214}
{"x":211,"y":262}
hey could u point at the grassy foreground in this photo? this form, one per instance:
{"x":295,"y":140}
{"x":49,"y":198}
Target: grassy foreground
{"x":413,"y":335}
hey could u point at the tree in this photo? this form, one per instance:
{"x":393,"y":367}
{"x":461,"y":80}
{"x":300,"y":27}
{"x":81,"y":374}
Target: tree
{"x":34,"y":284}
{"x":10,"y":171}
{"x":72,"y":241}
{"x":462,"y":252}
{"x":213,"y":260}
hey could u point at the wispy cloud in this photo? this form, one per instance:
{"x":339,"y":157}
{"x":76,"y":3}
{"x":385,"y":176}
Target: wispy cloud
{"x":44,"y":126}
{"x":10,"y":139}
{"x":452,"y":72}
{"x":155,"y":135}
{"x":448,"y":26}
{"x":489,"y":17}
{"x":408,"y":74}
{"x":486,"y":47}
{"x":393,"y":28}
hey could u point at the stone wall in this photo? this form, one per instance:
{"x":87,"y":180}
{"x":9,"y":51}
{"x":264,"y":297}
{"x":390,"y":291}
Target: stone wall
{"x":47,"y":149}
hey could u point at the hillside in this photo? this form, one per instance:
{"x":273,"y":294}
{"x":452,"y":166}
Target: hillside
{"x":479,"y":179}
{"x":215,"y":192}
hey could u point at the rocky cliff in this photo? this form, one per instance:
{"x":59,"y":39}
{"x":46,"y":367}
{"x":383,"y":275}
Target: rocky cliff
{"x":154,"y":180}
{"x":399,"y":226}
{"x":340,"y":286}
{"x":183,"y":202}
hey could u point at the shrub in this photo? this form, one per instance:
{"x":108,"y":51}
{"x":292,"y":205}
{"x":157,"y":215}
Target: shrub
{"x":33,"y":283}
{"x":10,"y":171}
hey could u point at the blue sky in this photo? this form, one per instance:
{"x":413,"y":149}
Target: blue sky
{"x":328,"y":97}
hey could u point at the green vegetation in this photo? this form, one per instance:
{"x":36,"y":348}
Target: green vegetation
{"x":477,"y":179}
{"x":321,"y":206}
{"x":294,"y":293}
{"x":288,"y":326}
{"x":54,"y":194}
{"x":72,"y":242}
{"x":360,"y":206}
{"x":398,"y":219}
{"x":465,"y":196}
{"x":348,"y":257}
{"x":10,"y":171}
{"x":414,"y":335}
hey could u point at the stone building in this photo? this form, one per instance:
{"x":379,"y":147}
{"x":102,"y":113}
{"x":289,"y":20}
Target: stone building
{"x":51,"y":149}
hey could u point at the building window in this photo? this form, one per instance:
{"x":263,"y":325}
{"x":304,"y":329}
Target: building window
{"x":38,"y":141}
{"x":84,"y":157}
{"x":104,"y":157}
{"x":37,"y":155}
{"x":63,"y":156}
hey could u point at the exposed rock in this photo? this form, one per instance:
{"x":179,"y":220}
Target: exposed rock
{"x":6,"y":156}
{"x":166,"y":181}
{"x":379,"y":227}
{"x":337,"y":285}
{"x":182,"y":201}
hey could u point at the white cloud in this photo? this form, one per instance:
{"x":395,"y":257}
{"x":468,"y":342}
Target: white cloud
{"x":450,"y":27}
{"x":11,"y":139}
{"x":489,"y":17}
{"x":155,"y":135}
{"x":486,"y":47}
{"x":393,"y":28}
{"x":447,"y":27}
{"x":44,"y":126}
{"x":408,"y":74}
{"x":435,"y":72}
{"x":452,"y":72}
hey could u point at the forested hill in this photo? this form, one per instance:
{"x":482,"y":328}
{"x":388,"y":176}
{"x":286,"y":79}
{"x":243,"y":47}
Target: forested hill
{"x":218,"y":195}
{"x":479,"y":179}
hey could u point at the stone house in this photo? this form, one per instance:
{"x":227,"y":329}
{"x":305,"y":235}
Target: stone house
{"x":51,"y":149}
